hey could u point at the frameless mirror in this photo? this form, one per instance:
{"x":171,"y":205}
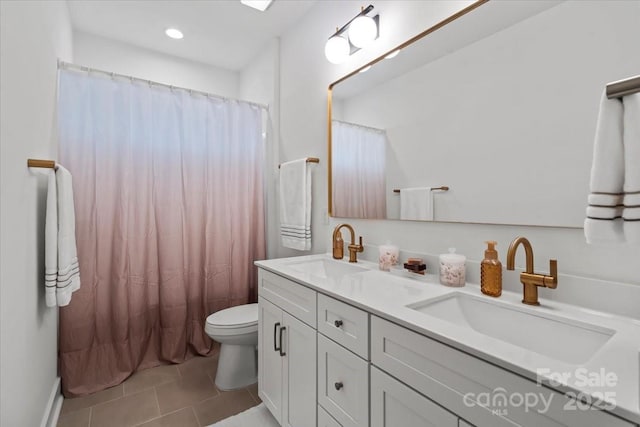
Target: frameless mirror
{"x":498,"y":103}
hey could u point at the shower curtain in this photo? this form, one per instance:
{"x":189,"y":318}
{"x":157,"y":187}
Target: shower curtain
{"x":358,"y":157}
{"x":168,"y":187}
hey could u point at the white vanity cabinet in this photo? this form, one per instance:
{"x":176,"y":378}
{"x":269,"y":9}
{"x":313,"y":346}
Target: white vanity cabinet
{"x":326,"y":363}
{"x":343,"y":362}
{"x":287,"y":351}
{"x":457,"y":381}
{"x":394,"y":404}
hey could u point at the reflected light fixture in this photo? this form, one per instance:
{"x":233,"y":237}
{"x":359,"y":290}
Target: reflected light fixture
{"x":393,"y":54}
{"x":174,"y":33}
{"x":356,"y":34}
{"x":260,"y":5}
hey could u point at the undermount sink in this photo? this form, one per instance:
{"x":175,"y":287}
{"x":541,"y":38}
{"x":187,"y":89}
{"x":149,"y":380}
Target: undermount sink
{"x":326,"y":268}
{"x":562,"y":339}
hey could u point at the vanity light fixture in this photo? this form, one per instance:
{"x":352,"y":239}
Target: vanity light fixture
{"x":358,"y":33}
{"x":174,"y":33}
{"x":260,"y":5}
{"x":337,"y":49}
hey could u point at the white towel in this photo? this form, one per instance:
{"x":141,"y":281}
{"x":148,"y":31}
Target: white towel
{"x":416,"y":203}
{"x":631,"y":212}
{"x":51,"y":241}
{"x":295,"y":205}
{"x":62,"y":273}
{"x":603,"y":223}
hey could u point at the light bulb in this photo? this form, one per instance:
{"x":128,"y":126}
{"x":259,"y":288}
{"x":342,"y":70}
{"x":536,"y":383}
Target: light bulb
{"x":174,"y":33}
{"x":362,"y":31}
{"x":337,"y":49}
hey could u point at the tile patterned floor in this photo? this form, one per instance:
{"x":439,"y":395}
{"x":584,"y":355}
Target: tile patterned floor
{"x":166,"y":396}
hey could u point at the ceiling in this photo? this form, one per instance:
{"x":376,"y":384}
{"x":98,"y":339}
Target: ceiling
{"x":223,"y":33}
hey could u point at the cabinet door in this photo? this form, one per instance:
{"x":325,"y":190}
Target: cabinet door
{"x":343,"y":384}
{"x":394,"y":404}
{"x":270,"y":362}
{"x":326,"y":420}
{"x":299,"y":392}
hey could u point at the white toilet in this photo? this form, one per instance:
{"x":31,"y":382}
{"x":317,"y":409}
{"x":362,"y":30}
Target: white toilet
{"x":236,"y":329}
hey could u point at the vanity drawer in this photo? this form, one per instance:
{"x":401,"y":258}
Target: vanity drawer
{"x":394,"y":404}
{"x":455,"y":379}
{"x":343,"y":384}
{"x":326,"y":420}
{"x":292,"y":297}
{"x":346,"y":325}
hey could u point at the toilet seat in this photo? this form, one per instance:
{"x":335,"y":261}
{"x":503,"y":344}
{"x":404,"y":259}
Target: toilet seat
{"x":238,"y":320}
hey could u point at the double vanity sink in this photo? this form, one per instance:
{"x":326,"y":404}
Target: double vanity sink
{"x":565,"y":348}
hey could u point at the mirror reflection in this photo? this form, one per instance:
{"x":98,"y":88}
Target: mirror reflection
{"x":495,"y":105}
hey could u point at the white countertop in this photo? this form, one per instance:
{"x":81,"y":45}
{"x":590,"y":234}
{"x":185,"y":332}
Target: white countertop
{"x":387,"y":294}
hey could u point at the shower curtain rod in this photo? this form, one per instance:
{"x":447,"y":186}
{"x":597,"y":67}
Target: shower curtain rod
{"x":358,"y":125}
{"x":68,"y":65}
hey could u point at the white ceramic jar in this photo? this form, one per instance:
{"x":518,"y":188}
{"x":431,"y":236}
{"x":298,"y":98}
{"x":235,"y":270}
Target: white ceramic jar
{"x":389,"y":255}
{"x":452,"y":269}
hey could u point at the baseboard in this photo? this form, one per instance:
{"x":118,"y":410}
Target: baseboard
{"x":54,"y":405}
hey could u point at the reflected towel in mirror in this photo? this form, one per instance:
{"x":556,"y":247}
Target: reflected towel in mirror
{"x":416,"y":203}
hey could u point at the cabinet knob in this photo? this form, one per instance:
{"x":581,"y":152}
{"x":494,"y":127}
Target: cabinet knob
{"x":338,"y":386}
{"x":338,"y":323}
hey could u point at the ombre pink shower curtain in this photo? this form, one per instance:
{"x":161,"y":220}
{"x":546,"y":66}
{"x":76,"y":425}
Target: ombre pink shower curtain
{"x":358,"y":168}
{"x":168,"y":188}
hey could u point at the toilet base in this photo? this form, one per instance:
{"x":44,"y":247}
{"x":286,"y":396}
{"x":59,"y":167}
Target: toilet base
{"x":237,"y":366}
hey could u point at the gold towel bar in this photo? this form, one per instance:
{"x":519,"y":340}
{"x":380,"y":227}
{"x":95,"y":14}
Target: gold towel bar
{"x":443,"y":188}
{"x":37,"y":163}
{"x":623,"y":87}
{"x":309,"y":160}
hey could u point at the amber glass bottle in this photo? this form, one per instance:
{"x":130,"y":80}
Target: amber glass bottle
{"x":491,"y":272}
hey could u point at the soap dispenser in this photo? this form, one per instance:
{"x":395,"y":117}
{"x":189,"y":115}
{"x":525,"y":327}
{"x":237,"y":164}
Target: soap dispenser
{"x":491,"y":271}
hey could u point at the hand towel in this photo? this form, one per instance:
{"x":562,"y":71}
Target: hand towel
{"x":51,"y":241}
{"x":62,"y":272}
{"x":416,"y":203}
{"x":631,"y":212}
{"x":603,"y":223}
{"x":295,"y":205}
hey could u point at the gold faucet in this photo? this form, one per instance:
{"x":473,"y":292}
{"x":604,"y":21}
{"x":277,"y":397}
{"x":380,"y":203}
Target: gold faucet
{"x":338,"y":244}
{"x":530,"y":280}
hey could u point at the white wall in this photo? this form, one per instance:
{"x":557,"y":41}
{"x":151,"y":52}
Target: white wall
{"x":114,"y":56}
{"x":260,"y":82}
{"x":305,"y":75}
{"x":33,"y":35}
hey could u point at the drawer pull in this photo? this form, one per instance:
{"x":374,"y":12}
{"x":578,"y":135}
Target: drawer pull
{"x":282,"y":353}
{"x":338,"y":323}
{"x":275,"y":342}
{"x":338,"y":386}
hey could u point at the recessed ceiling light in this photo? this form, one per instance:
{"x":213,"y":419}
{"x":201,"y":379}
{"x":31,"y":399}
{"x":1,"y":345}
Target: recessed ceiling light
{"x":261,"y":5}
{"x":365,"y":69}
{"x":174,"y":33}
{"x":393,"y":54}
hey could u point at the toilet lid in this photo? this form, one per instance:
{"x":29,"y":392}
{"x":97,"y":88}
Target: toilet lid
{"x":240,"y":315}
